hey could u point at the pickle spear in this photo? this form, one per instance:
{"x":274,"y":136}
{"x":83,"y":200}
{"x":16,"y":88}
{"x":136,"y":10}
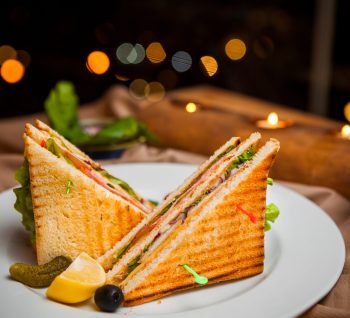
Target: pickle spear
{"x":39,"y":275}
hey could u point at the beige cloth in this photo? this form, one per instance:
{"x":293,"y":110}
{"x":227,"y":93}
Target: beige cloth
{"x":117,"y":102}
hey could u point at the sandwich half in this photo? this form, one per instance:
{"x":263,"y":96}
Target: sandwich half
{"x":76,"y":205}
{"x":113,"y":255}
{"x":215,"y":226}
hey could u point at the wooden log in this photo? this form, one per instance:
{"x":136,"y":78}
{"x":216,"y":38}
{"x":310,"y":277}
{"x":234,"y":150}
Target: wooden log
{"x":310,"y":151}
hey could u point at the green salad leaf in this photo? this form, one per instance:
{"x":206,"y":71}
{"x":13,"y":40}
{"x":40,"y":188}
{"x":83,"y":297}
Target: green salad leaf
{"x":53,"y":147}
{"x":121,"y":252}
{"x":121,"y":183}
{"x":166,"y":208}
{"x":154,"y":202}
{"x":62,"y":109}
{"x":134,"y":263}
{"x":271,"y":214}
{"x":23,"y":202}
{"x":242,"y":158}
{"x":122,"y":130}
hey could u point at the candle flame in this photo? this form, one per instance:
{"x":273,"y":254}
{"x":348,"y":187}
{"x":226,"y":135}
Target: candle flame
{"x":345,"y":131}
{"x":191,"y":107}
{"x":272,"y":119}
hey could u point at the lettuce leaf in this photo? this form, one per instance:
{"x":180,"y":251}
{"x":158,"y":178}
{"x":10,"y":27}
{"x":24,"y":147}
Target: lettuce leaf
{"x":271,"y":214}
{"x":134,"y":263}
{"x":23,"y":202}
{"x":61,"y":106}
{"x":269,"y":181}
{"x":62,"y":109}
{"x":125,"y":186}
{"x":53,"y":147}
{"x":154,"y":202}
{"x":242,"y":158}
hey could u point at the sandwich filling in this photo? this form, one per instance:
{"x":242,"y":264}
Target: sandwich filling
{"x":186,"y":198}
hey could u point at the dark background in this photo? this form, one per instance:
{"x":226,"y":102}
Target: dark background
{"x":278,"y":35}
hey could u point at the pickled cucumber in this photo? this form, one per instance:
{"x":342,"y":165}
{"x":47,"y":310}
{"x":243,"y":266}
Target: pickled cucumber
{"x":39,"y":275}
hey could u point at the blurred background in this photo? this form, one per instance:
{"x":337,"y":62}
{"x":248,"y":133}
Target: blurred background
{"x":289,"y":52}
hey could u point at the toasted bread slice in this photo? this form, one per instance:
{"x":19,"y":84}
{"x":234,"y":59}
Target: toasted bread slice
{"x":41,"y":136}
{"x":89,"y":218}
{"x":202,"y":179}
{"x":222,"y":238}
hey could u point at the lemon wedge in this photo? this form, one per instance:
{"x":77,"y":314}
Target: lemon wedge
{"x":78,"y":282}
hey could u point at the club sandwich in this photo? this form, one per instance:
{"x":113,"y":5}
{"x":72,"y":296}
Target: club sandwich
{"x":214,"y":223}
{"x":69,"y":203}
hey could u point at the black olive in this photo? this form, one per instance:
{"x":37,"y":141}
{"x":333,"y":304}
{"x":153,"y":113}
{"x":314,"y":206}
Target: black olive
{"x":108,"y":298}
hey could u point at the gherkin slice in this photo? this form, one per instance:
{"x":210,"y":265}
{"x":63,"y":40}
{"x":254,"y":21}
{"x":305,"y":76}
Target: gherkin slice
{"x":39,"y":275}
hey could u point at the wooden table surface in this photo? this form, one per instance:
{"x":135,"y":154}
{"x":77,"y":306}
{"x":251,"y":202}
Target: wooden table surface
{"x":310,"y":152}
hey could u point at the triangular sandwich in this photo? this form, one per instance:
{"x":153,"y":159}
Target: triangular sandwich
{"x":215,"y":224}
{"x":75,"y":204}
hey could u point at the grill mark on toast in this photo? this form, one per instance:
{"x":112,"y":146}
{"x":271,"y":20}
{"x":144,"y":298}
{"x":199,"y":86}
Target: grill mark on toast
{"x":219,"y":278}
{"x":87,"y":229}
{"x":100,"y":232}
{"x":218,"y":262}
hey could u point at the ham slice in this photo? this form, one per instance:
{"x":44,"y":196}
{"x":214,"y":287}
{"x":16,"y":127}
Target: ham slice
{"x":87,"y":169}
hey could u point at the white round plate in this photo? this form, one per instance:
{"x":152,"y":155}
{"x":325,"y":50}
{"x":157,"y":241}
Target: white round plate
{"x":304,"y":256}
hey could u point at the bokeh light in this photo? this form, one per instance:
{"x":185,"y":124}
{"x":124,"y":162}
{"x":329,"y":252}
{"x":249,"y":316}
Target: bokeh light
{"x":209,"y":65}
{"x":12,"y":71}
{"x":155,"y":52}
{"x":24,"y":57}
{"x":137,"y":54}
{"x":137,"y":88}
{"x":123,"y":52}
{"x":130,"y":54}
{"x":347,"y":111}
{"x":168,"y":78}
{"x":7,"y":52}
{"x":272,"y":119}
{"x":345,"y":131}
{"x":181,"y":61}
{"x":97,"y":62}
{"x":191,"y":107}
{"x":154,"y":91}
{"x":235,"y":49}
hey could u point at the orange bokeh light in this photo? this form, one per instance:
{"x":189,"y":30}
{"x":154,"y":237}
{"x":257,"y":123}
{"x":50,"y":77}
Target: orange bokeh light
{"x":7,"y":52}
{"x":235,"y":49}
{"x":97,"y":62}
{"x":210,"y":65}
{"x":12,"y":71}
{"x":347,"y":111}
{"x":154,"y":91}
{"x":155,"y":52}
